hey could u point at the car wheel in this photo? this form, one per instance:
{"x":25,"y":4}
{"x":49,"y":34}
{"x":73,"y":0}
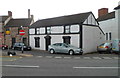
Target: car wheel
{"x":52,"y":51}
{"x":81,"y":53}
{"x":3,"y":48}
{"x":71,"y":52}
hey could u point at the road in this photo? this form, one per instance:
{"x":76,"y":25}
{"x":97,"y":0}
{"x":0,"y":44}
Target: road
{"x":45,"y":64}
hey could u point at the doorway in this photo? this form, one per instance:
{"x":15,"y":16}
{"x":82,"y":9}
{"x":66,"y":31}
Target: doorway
{"x":47,"y":41}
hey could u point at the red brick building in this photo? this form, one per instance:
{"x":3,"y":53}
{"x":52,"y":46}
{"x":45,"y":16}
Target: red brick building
{"x":14,"y":26}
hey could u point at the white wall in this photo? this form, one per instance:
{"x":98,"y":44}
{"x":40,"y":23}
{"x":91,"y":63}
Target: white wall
{"x":90,"y":20}
{"x":110,"y":25}
{"x":91,"y":38}
{"x":54,"y":39}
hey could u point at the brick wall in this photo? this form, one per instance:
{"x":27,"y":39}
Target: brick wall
{"x":14,"y":33}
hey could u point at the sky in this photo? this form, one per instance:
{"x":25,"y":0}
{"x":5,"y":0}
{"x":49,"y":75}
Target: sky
{"x":43,"y":9}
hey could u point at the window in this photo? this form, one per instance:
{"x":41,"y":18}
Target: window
{"x":37,"y":42}
{"x":38,"y":30}
{"x":106,"y":36}
{"x":67,"y":29}
{"x":110,"y":36}
{"x":48,"y":30}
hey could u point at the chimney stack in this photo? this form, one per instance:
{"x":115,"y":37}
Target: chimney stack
{"x":32,"y":16}
{"x":28,"y":13}
{"x":10,"y":13}
{"x":102,"y":11}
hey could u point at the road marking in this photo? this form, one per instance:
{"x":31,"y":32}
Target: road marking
{"x":86,"y":58}
{"x":76,"y":57}
{"x":115,"y":57}
{"x":58,"y":57}
{"x":97,"y":58}
{"x":48,"y":56}
{"x":20,"y":66}
{"x":40,"y":56}
{"x":96,"y":67}
{"x":67,"y":57}
{"x":106,"y":58}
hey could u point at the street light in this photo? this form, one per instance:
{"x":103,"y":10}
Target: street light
{"x":22,"y":40}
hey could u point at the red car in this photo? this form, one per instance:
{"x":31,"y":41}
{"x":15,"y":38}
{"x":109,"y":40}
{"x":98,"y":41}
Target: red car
{"x":4,"y":46}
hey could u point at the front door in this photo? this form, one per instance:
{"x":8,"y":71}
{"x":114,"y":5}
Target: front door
{"x":47,"y":41}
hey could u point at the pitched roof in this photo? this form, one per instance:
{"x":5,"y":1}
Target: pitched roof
{"x":107,"y":16}
{"x":118,"y":7}
{"x":3,"y":18}
{"x":63,"y":20}
{"x":19,"y":22}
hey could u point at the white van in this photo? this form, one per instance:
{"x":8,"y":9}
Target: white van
{"x":116,"y":45}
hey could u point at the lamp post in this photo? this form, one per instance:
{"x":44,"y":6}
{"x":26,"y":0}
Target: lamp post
{"x":22,"y":39}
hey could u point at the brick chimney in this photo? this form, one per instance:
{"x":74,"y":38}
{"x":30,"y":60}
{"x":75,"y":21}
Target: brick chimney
{"x":28,"y":13}
{"x":102,"y":11}
{"x":10,"y":13}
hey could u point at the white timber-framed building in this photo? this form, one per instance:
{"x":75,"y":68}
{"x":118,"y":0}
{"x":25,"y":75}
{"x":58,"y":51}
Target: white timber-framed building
{"x":81,"y":30}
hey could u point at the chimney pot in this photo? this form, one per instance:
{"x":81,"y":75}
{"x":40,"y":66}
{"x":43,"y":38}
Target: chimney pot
{"x":28,"y":13}
{"x":9,"y":13}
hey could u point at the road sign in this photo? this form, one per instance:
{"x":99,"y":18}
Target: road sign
{"x":21,"y":32}
{"x":7,"y":32}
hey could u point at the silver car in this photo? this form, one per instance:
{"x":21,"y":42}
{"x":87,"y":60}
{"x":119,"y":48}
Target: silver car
{"x":64,"y":48}
{"x":105,"y":47}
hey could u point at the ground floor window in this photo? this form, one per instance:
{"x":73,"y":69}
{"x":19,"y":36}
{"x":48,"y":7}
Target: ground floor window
{"x":110,"y":36}
{"x":66,"y":39}
{"x":106,"y":36}
{"x":37,"y":41}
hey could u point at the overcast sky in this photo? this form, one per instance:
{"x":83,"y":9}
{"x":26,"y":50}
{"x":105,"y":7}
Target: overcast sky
{"x":42,"y":9}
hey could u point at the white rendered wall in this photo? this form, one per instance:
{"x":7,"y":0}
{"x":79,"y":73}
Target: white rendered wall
{"x":90,"y":20}
{"x":54,"y":39}
{"x":91,"y":38}
{"x":110,"y":25}
{"x":119,"y":22}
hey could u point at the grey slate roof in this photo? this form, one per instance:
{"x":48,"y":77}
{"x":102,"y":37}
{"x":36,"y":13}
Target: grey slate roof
{"x":19,"y":22}
{"x":118,"y":7}
{"x":63,"y":20}
{"x":3,"y":18}
{"x":107,"y":16}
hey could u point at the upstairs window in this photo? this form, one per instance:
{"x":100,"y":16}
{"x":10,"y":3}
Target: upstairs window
{"x":48,"y":30}
{"x":38,"y":30}
{"x":67,"y":29}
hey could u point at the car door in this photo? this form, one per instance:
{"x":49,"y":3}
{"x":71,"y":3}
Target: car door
{"x":64,"y":48}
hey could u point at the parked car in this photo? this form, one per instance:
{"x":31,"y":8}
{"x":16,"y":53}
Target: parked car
{"x":116,"y":46}
{"x":64,"y":48}
{"x":105,"y":48}
{"x":4,"y":46}
{"x":18,"y":46}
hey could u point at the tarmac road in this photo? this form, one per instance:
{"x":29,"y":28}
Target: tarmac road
{"x":45,"y":64}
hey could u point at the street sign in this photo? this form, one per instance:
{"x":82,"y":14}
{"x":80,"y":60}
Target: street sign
{"x":7,"y":32}
{"x":21,"y":32}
